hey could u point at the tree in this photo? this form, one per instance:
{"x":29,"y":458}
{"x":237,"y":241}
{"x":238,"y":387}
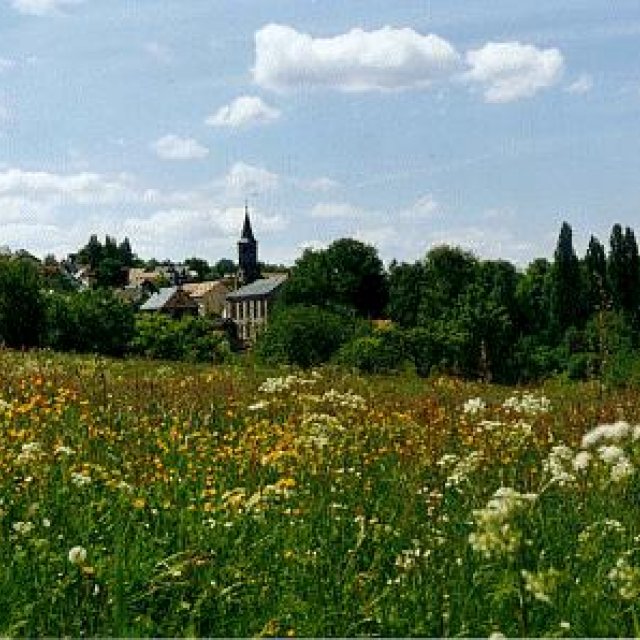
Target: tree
{"x":348,"y":274}
{"x":91,"y":321}
{"x":533,"y":296}
{"x":567,"y":299}
{"x":631,"y":292}
{"x":616,"y":267}
{"x":22,"y":306}
{"x":406,"y":282}
{"x":201,"y":267}
{"x":595,"y":268}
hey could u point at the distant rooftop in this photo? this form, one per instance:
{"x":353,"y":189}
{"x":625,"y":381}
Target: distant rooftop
{"x":258,"y":288}
{"x":157,"y":301}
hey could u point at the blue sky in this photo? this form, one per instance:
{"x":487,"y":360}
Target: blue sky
{"x":404,"y":124}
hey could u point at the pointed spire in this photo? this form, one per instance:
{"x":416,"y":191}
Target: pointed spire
{"x":247,"y":231}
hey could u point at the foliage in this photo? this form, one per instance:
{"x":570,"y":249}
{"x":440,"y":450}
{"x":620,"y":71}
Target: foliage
{"x":194,"y":339}
{"x":303,"y":335}
{"x":347,"y":274}
{"x":382,"y":351}
{"x":22,"y":308}
{"x":91,"y":321}
{"x":109,"y":261}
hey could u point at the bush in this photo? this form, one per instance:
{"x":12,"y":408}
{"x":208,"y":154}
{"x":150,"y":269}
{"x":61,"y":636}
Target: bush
{"x":92,"y":321}
{"x":382,"y":351}
{"x":193,"y":339}
{"x":303,"y":335}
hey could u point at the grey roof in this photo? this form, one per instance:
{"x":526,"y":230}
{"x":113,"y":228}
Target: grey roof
{"x":258,"y":288}
{"x":158,"y":300}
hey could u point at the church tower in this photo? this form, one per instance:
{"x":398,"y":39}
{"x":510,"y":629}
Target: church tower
{"x":248,"y":269}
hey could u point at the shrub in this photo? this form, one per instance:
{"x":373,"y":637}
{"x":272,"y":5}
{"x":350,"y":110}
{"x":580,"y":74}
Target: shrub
{"x":384,"y":350}
{"x":303,"y":335}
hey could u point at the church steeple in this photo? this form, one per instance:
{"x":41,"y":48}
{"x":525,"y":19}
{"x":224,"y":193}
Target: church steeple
{"x":247,"y":231}
{"x":248,"y":269}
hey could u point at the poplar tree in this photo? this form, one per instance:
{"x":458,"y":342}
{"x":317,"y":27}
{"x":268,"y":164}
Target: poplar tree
{"x":567,"y":301}
{"x":595,"y":267}
{"x":616,"y":267}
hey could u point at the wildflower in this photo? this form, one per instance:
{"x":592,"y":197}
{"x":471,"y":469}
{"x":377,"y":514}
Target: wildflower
{"x":257,"y":406}
{"x":473,"y":406}
{"x":625,"y":578}
{"x":29,"y":451}
{"x":495,"y":534}
{"x":77,"y":555}
{"x":80,"y":480}
{"x":557,"y":463}
{"x":527,"y":403}
{"x":63,"y":451}
{"x":609,"y":432}
{"x":610,"y":453}
{"x":581,"y":461}
{"x":621,"y":469}
{"x":541,"y":585}
{"x":23,"y":528}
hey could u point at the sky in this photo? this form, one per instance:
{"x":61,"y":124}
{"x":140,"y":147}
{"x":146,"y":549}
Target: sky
{"x":404,"y":124}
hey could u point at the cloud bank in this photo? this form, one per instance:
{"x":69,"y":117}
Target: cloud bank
{"x":390,"y":59}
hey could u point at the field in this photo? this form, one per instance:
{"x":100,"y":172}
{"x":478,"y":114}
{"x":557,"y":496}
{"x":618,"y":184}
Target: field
{"x":142,"y":499}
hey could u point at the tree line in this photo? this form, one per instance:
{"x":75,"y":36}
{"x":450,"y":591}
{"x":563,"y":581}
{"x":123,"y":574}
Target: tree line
{"x":449,"y":312}
{"x":453,"y":312}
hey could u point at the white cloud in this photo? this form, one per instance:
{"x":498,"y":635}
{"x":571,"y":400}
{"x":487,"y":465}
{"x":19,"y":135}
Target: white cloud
{"x":53,"y":188}
{"x":172,"y":147}
{"x":42,"y":7}
{"x":242,"y":112}
{"x":583,"y":84}
{"x":510,"y":71}
{"x":245,"y":179}
{"x":49,"y":212}
{"x":6,"y":64}
{"x":335,"y":210}
{"x":386,"y":59}
{"x":424,"y":207}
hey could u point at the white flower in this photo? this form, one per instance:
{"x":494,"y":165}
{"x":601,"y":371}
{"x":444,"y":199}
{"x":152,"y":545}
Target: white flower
{"x":610,"y":432}
{"x":77,"y":555}
{"x":80,"y":480}
{"x":474,"y":405}
{"x":621,"y":469}
{"x":62,"y":450}
{"x":23,"y":528}
{"x":610,"y":453}
{"x":581,"y":461}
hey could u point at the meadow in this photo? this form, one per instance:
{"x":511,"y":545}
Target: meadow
{"x":147,"y":499}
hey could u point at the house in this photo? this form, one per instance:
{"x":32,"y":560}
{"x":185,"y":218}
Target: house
{"x":174,"y":301}
{"x":249,"y":306}
{"x":209,"y":295}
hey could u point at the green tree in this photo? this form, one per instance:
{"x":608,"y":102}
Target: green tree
{"x":567,"y":299}
{"x":595,"y":268}
{"x":91,"y":321}
{"x":348,"y":274}
{"x":22,"y":306}
{"x":406,"y":282}
{"x":617,"y":267}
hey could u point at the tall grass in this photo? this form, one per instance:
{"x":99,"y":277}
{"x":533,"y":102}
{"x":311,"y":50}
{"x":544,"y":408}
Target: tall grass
{"x":144,"y":499}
